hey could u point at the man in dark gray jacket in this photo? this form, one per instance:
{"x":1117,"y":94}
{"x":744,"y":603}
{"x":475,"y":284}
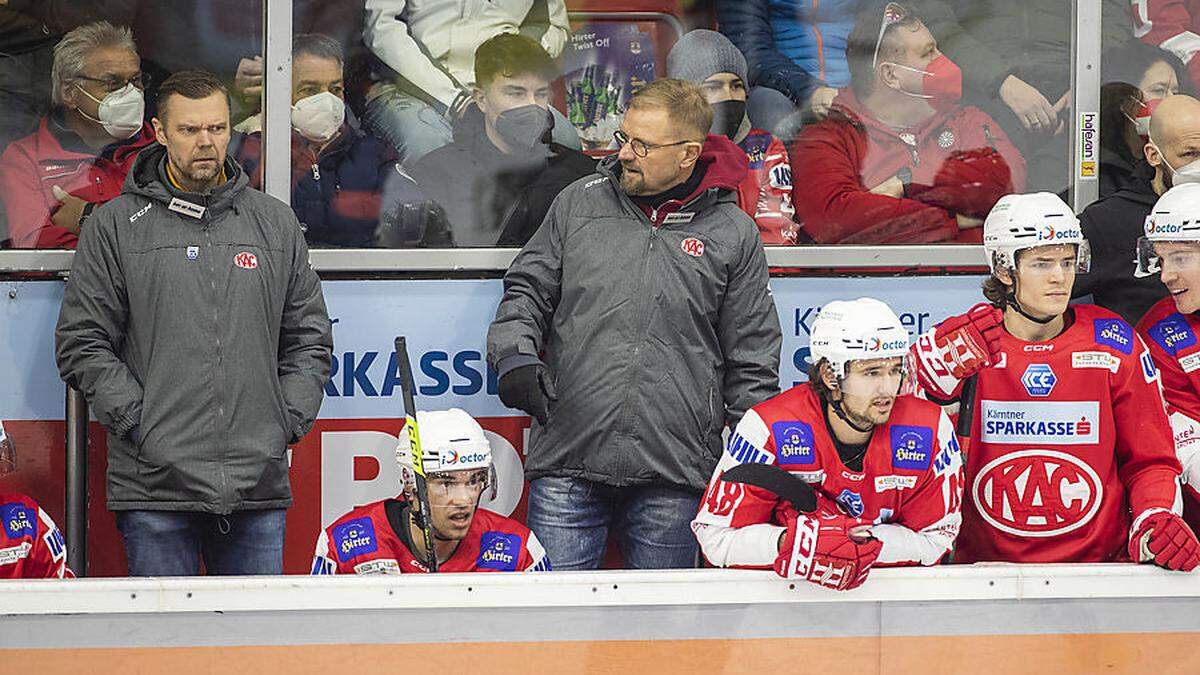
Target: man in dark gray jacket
{"x":635,"y":325}
{"x":196,"y":328}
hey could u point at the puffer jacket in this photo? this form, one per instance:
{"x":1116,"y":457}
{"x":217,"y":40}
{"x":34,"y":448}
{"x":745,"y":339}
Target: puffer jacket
{"x":657,"y":327}
{"x":197,"y":330}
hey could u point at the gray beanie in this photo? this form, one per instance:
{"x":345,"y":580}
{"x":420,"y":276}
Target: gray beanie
{"x":701,"y":53}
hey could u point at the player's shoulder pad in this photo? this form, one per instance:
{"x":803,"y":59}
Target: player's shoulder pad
{"x":501,"y":541}
{"x":355,"y":534}
{"x":1107,"y":330}
{"x":1174,"y":333}
{"x":912,"y":439}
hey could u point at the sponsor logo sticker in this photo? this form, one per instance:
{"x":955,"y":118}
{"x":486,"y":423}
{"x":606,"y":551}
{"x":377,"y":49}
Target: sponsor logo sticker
{"x":498,"y":551}
{"x":1190,"y":362}
{"x":15,"y":554}
{"x":793,"y":443}
{"x":1102,"y":360}
{"x":193,"y":252}
{"x":692,"y":246}
{"x":852,"y":502}
{"x":355,"y":538}
{"x":246,"y":260}
{"x":381,"y":566}
{"x":1173,"y":334}
{"x":17,"y":520}
{"x":1037,"y":493}
{"x":1149,"y":371}
{"x":678,"y":217}
{"x":186,"y":208}
{"x":1114,"y":333}
{"x":912,"y":447}
{"x":1041,"y":422}
{"x":885,"y":483}
{"x":1039,"y":379}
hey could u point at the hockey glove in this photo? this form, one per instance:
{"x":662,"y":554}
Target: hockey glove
{"x":530,"y":389}
{"x":1166,"y":540}
{"x":821,"y":549}
{"x":958,"y":348}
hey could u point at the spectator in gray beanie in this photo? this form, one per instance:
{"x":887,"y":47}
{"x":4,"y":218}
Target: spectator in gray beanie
{"x":710,"y":60}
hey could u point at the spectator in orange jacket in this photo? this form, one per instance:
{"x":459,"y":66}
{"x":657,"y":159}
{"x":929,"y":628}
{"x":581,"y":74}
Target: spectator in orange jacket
{"x":710,"y":60}
{"x":78,"y":158}
{"x":899,"y":160}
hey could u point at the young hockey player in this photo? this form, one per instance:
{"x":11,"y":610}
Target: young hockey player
{"x":31,"y":546}
{"x":1171,"y":248}
{"x":382,"y":537}
{"x":886,"y":469}
{"x":1070,"y":456}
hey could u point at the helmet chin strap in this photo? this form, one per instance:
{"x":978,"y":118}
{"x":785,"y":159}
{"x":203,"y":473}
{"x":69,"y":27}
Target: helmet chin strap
{"x":1012,"y":300}
{"x":840,"y":412}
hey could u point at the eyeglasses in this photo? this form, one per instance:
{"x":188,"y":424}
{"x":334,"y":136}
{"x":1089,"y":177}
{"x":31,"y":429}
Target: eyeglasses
{"x":892,"y":14}
{"x":111,"y":84}
{"x":641,"y":148}
{"x":446,"y":484}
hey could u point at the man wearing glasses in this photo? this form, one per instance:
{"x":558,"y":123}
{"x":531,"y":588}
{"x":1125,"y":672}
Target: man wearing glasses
{"x":384,"y":537}
{"x":635,"y":325}
{"x":79,"y":155}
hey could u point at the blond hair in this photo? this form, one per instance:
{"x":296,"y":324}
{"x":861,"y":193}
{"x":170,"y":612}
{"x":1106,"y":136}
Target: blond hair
{"x":684,"y":102}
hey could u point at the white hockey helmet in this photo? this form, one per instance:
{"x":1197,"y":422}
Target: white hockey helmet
{"x":451,"y":440}
{"x":1175,"y":218}
{"x":1018,"y":222}
{"x":853,"y":330}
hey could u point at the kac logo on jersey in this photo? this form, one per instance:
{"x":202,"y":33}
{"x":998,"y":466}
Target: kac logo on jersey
{"x":912,"y":447}
{"x":17,"y":520}
{"x":498,"y":551}
{"x":852,"y":502}
{"x":1114,"y":333}
{"x":793,"y":443}
{"x":1037,"y":493}
{"x":1173,"y":334}
{"x":355,"y":538}
{"x":1039,"y":380}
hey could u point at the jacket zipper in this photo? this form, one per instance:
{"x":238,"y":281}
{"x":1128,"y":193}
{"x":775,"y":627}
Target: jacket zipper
{"x":222,"y":429}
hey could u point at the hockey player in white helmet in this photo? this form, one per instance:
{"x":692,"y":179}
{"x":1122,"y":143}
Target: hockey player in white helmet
{"x":383,"y":538}
{"x":885,"y":468}
{"x":1170,"y":248}
{"x":1069,"y":456}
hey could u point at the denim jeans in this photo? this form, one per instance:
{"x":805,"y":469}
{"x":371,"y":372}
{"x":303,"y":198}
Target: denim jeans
{"x":171,"y":543}
{"x":571,"y":518}
{"x":415,"y":129}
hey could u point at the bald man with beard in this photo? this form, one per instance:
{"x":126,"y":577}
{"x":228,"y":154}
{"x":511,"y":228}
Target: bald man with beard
{"x":1113,"y":224}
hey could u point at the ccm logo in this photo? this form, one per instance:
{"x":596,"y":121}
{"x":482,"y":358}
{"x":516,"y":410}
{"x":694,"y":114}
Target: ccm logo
{"x":246,"y":261}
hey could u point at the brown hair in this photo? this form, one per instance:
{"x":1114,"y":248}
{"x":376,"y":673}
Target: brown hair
{"x":817,"y":383}
{"x":510,"y":55}
{"x":996,"y":291}
{"x":684,"y":102}
{"x":190,"y":84}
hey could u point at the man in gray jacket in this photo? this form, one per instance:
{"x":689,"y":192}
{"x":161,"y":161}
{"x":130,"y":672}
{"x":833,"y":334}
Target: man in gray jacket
{"x":197,"y":330}
{"x":635,"y":325}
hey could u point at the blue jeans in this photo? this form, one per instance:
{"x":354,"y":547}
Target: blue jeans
{"x":415,"y":129}
{"x":171,"y":543}
{"x":572,"y":516}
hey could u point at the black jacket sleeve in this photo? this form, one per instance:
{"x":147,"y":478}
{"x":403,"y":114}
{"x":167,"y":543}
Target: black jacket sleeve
{"x":747,"y":25}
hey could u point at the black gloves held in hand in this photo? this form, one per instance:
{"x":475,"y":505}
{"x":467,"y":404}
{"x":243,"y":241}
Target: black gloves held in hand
{"x":528,"y":388}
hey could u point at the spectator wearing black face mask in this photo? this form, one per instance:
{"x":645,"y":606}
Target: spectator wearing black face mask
{"x":496,"y":180}
{"x":710,"y":60}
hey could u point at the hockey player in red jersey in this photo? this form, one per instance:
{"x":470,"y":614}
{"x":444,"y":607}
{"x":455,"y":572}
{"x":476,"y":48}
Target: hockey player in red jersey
{"x":31,"y":546}
{"x":886,"y":468}
{"x":1070,"y":456}
{"x":1171,"y":248}
{"x":381,"y":538}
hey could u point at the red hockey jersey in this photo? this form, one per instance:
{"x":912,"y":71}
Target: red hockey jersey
{"x":910,"y":485}
{"x":1171,"y":337}
{"x":31,"y":546}
{"x":365,"y":541}
{"x":766,"y":192}
{"x":1068,"y":436}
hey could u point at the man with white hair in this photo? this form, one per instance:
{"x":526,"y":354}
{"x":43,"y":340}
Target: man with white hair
{"x":385,"y":537}
{"x":81,"y":152}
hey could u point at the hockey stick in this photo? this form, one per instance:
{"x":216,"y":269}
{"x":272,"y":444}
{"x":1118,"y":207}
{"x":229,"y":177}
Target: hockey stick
{"x":776,"y":481}
{"x":966,"y":415}
{"x":420,"y":509}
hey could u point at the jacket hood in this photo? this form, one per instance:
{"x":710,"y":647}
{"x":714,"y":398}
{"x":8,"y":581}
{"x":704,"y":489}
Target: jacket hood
{"x":147,"y":178}
{"x":725,"y":165}
{"x":848,"y":105}
{"x":1140,"y":189}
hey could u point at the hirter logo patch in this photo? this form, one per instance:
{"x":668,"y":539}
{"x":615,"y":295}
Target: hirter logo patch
{"x":498,"y":551}
{"x":692,"y":246}
{"x":246,"y":261}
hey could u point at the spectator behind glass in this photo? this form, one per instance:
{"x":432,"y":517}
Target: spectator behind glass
{"x":1113,"y":225}
{"x":342,"y":179}
{"x":51,"y":179}
{"x":1174,"y":26}
{"x":498,"y":177}
{"x":710,"y":60}
{"x":200,"y":406}
{"x":1137,"y":78}
{"x":899,"y":159}
{"x":645,"y":292}
{"x":425,"y":56}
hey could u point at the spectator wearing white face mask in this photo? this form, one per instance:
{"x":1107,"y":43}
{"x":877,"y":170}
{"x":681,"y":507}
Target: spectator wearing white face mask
{"x":347,"y":189}
{"x":1114,"y":224}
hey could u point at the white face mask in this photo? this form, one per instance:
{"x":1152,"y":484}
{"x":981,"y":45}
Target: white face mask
{"x":1188,"y":173}
{"x":121,"y":112}
{"x":318,"y":117}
